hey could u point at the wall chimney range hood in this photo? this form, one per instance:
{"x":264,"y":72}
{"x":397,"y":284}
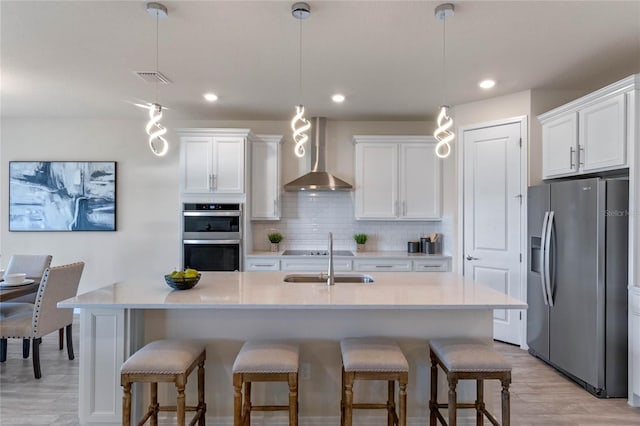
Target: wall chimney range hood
{"x":317,"y":179}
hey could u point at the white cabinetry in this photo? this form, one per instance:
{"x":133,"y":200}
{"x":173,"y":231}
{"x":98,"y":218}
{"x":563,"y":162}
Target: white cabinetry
{"x":382,"y":265}
{"x":431,"y":265}
{"x":262,"y":264}
{"x":397,"y":178}
{"x":212,"y":160}
{"x":589,"y":134}
{"x":315,"y":265}
{"x":265,"y":177}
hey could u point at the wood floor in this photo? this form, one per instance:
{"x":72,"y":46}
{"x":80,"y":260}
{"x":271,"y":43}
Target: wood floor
{"x":539,"y":395}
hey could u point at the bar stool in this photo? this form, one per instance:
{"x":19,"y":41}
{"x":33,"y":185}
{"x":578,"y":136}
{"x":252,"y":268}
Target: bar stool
{"x":165,"y":361}
{"x":264,"y":361}
{"x":374,"y":358}
{"x":467,"y":359}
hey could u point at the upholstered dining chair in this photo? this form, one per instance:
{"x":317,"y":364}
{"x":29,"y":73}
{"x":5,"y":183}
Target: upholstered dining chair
{"x":33,"y":321}
{"x":34,"y":266}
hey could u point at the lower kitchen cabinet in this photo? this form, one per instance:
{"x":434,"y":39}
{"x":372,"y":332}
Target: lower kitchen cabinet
{"x":262,"y":264}
{"x":315,"y":265}
{"x":432,"y":265}
{"x":379,"y":265}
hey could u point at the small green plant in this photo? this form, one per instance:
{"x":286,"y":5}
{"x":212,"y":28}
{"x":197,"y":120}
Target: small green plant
{"x":360,"y":238}
{"x":275,"y":237}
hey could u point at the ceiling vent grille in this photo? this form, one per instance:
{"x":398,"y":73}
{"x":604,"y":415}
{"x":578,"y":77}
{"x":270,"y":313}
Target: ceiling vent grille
{"x":153,"y":77}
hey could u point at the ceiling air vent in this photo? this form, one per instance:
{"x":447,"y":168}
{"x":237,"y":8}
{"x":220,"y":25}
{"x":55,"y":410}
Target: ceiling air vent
{"x":153,"y":77}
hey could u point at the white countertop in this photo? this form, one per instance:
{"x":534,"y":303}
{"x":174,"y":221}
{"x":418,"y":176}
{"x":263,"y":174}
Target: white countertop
{"x":356,"y":255}
{"x":267,"y":290}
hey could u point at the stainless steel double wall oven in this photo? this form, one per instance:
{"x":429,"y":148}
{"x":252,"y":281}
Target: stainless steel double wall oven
{"x":212,"y":236}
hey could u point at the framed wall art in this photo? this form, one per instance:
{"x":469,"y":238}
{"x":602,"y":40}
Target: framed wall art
{"x":62,"y":196}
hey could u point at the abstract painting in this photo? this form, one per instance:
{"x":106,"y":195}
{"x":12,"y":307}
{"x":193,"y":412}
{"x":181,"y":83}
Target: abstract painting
{"x":62,"y":196}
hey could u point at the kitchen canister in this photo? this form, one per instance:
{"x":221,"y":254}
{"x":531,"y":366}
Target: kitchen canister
{"x":413,"y":247}
{"x":424,"y":244}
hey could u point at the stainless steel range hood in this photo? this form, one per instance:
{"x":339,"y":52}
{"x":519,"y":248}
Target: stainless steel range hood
{"x":317,"y":179}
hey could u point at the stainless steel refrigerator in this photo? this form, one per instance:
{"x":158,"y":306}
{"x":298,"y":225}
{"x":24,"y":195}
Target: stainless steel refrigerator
{"x":577,"y":280}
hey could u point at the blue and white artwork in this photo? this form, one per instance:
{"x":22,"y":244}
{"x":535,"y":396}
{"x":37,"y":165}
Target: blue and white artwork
{"x":62,"y":196}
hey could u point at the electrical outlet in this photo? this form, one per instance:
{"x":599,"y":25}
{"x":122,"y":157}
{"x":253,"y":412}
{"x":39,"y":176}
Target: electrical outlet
{"x":305,"y":371}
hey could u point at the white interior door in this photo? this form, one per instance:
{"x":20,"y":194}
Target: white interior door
{"x":492,"y":217}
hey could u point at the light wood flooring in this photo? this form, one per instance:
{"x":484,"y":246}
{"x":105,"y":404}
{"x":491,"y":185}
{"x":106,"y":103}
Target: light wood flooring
{"x":539,"y":394}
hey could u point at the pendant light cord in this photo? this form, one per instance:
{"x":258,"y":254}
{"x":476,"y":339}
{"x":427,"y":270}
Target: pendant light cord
{"x":157,"y":50}
{"x":444,"y":44}
{"x":300,"y":63}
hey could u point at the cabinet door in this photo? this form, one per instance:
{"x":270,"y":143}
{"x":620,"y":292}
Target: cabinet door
{"x":431,"y":265}
{"x":419,"y":179}
{"x":602,"y":135}
{"x":376,"y":180}
{"x":382,"y":265}
{"x":265,"y":180}
{"x":314,"y":265}
{"x":228,"y":164}
{"x":196,"y":164}
{"x":559,"y":144}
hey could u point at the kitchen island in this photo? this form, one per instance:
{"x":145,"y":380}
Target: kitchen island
{"x":227,"y":308}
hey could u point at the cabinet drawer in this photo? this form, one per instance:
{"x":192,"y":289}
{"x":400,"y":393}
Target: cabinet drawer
{"x":262,"y":265}
{"x":432,"y":265}
{"x":382,"y":265}
{"x":314,"y":265}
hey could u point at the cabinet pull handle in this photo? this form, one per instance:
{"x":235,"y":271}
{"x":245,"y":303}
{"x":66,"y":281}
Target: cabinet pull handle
{"x":395,"y":208}
{"x":384,"y":266}
{"x":213,"y":184}
{"x":431,"y":266}
{"x":263,"y":266}
{"x":571,"y":152}
{"x":210,"y":183}
{"x":580,"y":155}
{"x":404,"y":208}
{"x":275,"y":206}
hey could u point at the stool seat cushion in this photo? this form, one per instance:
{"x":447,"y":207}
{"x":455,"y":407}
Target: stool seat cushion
{"x":266,"y":356}
{"x":170,"y":356}
{"x":468,"y":354}
{"x":375,"y":354}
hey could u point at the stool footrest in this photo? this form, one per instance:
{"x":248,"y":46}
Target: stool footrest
{"x":269,"y":407}
{"x":371,"y":406}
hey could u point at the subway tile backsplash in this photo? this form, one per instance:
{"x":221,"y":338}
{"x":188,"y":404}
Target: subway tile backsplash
{"x":307,"y":219}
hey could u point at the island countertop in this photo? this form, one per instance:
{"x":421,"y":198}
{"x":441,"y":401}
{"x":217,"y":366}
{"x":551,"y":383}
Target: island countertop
{"x":267,"y":290}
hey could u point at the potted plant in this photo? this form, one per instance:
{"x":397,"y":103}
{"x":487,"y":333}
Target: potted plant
{"x":275,"y":238}
{"x":361,"y":240}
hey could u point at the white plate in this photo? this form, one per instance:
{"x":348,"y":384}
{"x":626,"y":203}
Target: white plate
{"x":25,"y":282}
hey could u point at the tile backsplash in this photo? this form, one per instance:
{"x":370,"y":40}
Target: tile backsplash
{"x":308,"y":218}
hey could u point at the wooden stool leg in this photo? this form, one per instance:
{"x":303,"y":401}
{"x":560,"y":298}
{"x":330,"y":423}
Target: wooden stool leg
{"x":153,"y":403}
{"x":180,"y":406}
{"x":246,"y":412}
{"x":293,"y":399}
{"x":506,"y":410}
{"x":403,"y":401}
{"x":391,"y":405}
{"x":237,"y":399}
{"x":452,"y":401}
{"x":479,"y":402}
{"x":433,"y":403}
{"x":202,"y":406}
{"x":126,"y":404}
{"x":348,"y":398}
{"x":342,"y":398}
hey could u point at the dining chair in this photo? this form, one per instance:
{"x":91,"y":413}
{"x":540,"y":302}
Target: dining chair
{"x":34,"y":266}
{"x":33,"y":321}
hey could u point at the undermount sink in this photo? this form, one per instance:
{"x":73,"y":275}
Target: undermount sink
{"x":316,"y":253}
{"x":321,"y":278}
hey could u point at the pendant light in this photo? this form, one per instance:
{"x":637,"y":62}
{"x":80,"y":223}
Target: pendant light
{"x":299,"y":124}
{"x":443,"y":134}
{"x":156,"y":131}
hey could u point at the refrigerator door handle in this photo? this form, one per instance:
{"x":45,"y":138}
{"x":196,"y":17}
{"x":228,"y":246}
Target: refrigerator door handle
{"x":543,"y":257}
{"x":547,"y":255}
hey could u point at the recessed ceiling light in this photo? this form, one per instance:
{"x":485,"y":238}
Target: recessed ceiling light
{"x":211,"y":97}
{"x":337,"y":98}
{"x":487,"y":84}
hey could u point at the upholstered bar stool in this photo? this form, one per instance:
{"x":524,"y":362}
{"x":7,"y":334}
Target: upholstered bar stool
{"x":467,"y":359}
{"x":374,"y":358}
{"x":165,"y":361}
{"x":264,"y":361}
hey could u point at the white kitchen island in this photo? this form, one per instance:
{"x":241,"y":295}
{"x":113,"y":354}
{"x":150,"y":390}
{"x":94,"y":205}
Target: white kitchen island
{"x":227,"y":308}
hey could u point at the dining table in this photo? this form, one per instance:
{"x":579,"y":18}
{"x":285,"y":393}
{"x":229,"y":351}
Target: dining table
{"x":11,"y":292}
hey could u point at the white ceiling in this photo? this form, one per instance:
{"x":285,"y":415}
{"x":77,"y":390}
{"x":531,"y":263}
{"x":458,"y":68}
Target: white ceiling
{"x":77,"y":58}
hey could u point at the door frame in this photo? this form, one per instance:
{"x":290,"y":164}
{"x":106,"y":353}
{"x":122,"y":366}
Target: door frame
{"x":524,"y":182}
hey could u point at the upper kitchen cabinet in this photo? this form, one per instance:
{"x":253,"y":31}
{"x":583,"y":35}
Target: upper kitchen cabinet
{"x":397,"y":178}
{"x":265,"y":177}
{"x":590,"y":134}
{"x":212,"y":161}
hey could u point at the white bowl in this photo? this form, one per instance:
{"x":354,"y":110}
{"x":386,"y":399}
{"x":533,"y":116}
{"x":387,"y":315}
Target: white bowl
{"x":14,"y":278}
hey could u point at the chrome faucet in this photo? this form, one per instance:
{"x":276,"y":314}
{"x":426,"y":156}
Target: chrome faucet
{"x":330,"y":272}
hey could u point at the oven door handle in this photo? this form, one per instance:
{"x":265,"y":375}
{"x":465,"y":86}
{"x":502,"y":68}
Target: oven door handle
{"x":210,"y":241}
{"x":212,"y":214}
